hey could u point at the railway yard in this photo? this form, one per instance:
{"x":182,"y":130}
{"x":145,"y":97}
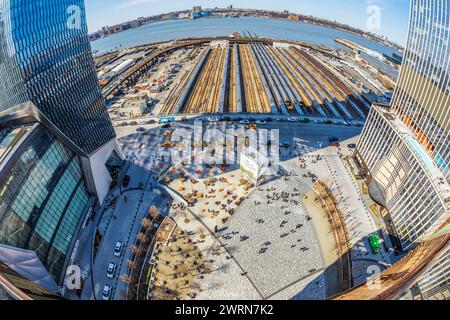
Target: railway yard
{"x":256,"y":77}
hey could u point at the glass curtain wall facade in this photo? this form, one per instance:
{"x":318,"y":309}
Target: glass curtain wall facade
{"x":435,"y":284}
{"x":422,"y":97}
{"x":42,"y":200}
{"x":45,"y":57}
{"x":15,"y":287}
{"x":406,"y":146}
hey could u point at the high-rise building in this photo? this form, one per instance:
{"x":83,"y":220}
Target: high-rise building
{"x":46,"y":58}
{"x":405,"y":147}
{"x":55,"y":134}
{"x":13,"y":286}
{"x":435,"y":283}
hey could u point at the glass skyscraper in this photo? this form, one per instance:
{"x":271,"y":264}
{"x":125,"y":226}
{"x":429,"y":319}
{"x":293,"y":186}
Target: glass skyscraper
{"x":405,"y":147}
{"x":45,"y":57}
{"x":55,"y":132}
{"x":42,"y":196}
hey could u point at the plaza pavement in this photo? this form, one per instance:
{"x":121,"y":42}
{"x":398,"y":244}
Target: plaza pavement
{"x":239,"y":271}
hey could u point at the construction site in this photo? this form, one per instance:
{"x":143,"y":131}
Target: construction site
{"x":255,"y":77}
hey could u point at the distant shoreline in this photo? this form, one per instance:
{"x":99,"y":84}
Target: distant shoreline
{"x":256,"y":14}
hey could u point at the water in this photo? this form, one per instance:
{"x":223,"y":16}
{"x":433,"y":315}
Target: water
{"x":209,"y":27}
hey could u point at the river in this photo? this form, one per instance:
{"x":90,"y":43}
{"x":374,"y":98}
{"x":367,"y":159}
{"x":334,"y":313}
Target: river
{"x":215,"y":26}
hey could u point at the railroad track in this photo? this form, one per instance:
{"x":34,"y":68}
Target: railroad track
{"x":255,"y":95}
{"x":323,"y":81}
{"x":290,"y":73}
{"x":332,"y":81}
{"x":196,"y":98}
{"x":232,"y":97}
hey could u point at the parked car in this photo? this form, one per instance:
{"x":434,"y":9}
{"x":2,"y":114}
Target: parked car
{"x":118,"y":248}
{"x":140,"y":129}
{"x":244,"y":122}
{"x":106,"y":293}
{"x":333,"y":139}
{"x":351,"y":146}
{"x":291,"y":119}
{"x":151,"y":121}
{"x":261,"y":122}
{"x":111,"y":270}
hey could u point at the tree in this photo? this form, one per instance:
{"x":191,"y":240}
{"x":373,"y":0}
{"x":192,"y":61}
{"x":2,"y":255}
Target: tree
{"x":141,"y":237}
{"x":129,"y":264}
{"x":134,"y":249}
{"x":153,"y":211}
{"x":146,"y":223}
{"x":125,"y":278}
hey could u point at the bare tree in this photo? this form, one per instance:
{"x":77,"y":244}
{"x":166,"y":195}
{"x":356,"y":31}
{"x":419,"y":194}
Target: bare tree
{"x":125,"y":279}
{"x":146,"y":223}
{"x":141,"y":237}
{"x":129,"y":264}
{"x":153,"y":211}
{"x":134,"y":249}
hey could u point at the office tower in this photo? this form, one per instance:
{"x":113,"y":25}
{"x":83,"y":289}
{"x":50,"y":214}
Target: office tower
{"x":46,"y":58}
{"x":55,"y":134}
{"x":13,"y":286}
{"x":435,"y":283}
{"x":405,"y":147}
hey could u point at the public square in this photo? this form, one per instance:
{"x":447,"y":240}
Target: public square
{"x":269,"y":241}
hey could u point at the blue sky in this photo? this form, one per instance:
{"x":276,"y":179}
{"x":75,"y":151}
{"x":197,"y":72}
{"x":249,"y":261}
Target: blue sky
{"x":393,"y":17}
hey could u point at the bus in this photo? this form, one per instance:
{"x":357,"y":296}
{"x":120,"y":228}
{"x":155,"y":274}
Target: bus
{"x":374,"y":242}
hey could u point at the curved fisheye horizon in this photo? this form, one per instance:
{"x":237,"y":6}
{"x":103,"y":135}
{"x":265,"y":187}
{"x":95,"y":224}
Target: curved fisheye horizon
{"x":247,"y":153}
{"x":393,"y":20}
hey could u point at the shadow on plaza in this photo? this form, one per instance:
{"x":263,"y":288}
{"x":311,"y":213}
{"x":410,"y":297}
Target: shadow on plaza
{"x":339,"y":277}
{"x":336,"y":280}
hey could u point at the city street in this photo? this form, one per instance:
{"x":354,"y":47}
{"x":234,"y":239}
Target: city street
{"x":268,"y":248}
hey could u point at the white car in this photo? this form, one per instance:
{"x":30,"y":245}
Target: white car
{"x":106,"y":293}
{"x":213,"y":119}
{"x":118,"y":248}
{"x":261,"y":122}
{"x":317,"y":121}
{"x":292,"y":119}
{"x":244,"y":122}
{"x":111,"y":270}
